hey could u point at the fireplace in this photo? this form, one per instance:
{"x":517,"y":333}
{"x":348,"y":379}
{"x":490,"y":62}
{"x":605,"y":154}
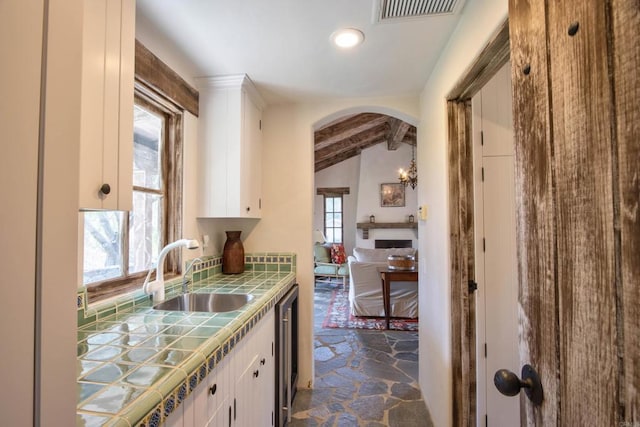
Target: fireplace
{"x":385,"y":244}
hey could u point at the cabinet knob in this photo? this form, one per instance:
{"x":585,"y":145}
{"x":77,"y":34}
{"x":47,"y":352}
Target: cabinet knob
{"x":105,"y":189}
{"x":248,"y":208}
{"x":213,"y":389}
{"x":256,"y":373}
{"x":263,"y":361}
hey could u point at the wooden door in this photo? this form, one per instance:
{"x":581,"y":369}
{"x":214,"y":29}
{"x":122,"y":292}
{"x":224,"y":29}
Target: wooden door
{"x":575,"y":66}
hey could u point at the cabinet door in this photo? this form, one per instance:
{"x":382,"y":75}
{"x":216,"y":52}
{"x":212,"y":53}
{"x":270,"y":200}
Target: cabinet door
{"x":252,"y":158}
{"x":264,"y":388}
{"x":230,"y":138}
{"x":107,"y":104}
{"x":219,"y":393}
{"x":176,"y":419}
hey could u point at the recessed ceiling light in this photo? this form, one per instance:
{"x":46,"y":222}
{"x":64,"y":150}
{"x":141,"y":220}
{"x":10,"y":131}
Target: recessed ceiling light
{"x":347,"y":38}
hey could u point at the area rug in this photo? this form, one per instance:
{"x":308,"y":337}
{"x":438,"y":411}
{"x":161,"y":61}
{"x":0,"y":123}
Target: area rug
{"x":339,"y":316}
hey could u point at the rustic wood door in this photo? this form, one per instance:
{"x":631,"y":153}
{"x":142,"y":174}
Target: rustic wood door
{"x":575,"y":66}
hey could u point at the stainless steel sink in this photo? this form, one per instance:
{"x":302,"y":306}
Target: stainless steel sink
{"x":211,"y":303}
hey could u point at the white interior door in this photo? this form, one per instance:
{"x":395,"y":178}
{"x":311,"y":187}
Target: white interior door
{"x":495,"y":248}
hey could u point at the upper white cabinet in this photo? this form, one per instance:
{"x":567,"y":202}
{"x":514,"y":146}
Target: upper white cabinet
{"x":230,"y":148}
{"x":106,"y":148}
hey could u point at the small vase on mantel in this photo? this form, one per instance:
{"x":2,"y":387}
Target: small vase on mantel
{"x":233,"y":254}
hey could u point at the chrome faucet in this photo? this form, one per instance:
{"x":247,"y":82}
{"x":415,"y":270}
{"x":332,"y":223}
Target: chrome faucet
{"x":185,"y":282}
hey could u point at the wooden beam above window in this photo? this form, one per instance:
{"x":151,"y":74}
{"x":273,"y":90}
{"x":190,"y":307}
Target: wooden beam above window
{"x":153,"y":72}
{"x":332,"y":191}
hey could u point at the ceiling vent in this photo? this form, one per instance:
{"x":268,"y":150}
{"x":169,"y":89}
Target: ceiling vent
{"x":389,"y":10}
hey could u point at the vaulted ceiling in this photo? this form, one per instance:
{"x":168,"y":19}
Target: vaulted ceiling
{"x":348,"y":136}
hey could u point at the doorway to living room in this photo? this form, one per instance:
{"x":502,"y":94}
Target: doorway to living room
{"x":357,"y":152}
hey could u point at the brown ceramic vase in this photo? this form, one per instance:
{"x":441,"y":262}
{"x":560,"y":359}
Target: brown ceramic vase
{"x":233,"y":254}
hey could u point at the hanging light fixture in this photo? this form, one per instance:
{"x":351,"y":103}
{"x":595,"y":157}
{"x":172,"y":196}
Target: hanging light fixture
{"x":410,"y":177}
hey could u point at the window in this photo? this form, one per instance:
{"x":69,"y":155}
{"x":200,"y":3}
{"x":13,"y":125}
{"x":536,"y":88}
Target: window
{"x":119,"y":247}
{"x":333,"y":218}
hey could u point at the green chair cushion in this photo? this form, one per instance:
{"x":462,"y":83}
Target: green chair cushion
{"x":321,"y":253}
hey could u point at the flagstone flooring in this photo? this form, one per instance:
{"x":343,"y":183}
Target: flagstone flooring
{"x":363,"y":377}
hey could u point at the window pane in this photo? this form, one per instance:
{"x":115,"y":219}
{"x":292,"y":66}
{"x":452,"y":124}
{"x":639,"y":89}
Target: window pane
{"x":328,"y":204}
{"x":328,"y":220}
{"x":330,"y":236}
{"x":337,"y":236}
{"x":145,"y":230}
{"x":147,"y":144}
{"x":337,"y":220}
{"x":103,"y":258}
{"x":338,"y":204}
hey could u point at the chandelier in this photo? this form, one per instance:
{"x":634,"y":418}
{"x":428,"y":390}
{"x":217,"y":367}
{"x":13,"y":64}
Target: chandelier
{"x":410,"y":177}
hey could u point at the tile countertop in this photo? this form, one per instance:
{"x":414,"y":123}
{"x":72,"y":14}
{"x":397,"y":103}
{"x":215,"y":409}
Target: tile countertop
{"x":137,"y":365}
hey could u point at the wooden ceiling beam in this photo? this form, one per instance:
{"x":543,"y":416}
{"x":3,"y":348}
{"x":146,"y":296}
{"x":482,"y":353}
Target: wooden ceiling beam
{"x":347,"y":149}
{"x":348,"y":128}
{"x":348,"y":136}
{"x":372,"y":136}
{"x":397,"y":131}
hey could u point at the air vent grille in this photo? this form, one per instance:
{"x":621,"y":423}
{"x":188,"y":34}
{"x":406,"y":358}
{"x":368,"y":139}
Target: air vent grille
{"x":393,"y":9}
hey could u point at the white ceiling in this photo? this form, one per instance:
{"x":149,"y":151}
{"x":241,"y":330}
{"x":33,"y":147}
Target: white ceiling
{"x":284,"y":46}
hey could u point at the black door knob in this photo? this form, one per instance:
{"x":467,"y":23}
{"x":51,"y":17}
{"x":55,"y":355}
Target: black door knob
{"x":105,"y":189}
{"x":509,"y":384}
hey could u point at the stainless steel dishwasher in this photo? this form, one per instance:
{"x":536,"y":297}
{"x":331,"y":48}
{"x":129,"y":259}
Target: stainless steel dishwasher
{"x":286,"y":354}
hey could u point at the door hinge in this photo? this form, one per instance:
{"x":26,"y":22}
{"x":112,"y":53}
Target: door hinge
{"x":481,"y":137}
{"x":483,"y":174}
{"x":473,"y":286}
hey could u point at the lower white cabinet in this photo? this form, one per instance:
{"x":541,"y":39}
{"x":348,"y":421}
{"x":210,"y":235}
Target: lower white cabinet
{"x":240,"y":392}
{"x":255,"y":378}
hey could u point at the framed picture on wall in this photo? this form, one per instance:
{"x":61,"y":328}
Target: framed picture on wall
{"x":392,"y":195}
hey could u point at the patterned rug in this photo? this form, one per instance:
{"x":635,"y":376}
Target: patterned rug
{"x":339,"y":316}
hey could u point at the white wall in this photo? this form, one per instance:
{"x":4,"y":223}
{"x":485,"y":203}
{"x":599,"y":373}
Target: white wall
{"x":479,"y":21}
{"x":38,"y":325}
{"x":343,"y":174}
{"x":381,"y":166}
{"x":19,"y":119}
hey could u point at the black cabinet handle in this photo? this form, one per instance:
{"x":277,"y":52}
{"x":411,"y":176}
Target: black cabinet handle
{"x":105,"y":189}
{"x":256,"y":373}
{"x":263,"y":361}
{"x":213,"y":389}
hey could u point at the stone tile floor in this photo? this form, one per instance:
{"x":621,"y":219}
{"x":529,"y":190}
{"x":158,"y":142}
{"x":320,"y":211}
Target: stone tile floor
{"x":363,"y":377}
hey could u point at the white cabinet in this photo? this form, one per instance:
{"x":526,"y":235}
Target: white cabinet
{"x":255,"y":377}
{"x":230,"y":148}
{"x":106,"y":147}
{"x":240,"y":392}
{"x":204,"y":406}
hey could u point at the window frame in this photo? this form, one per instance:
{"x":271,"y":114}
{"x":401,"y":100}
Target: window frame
{"x":324,"y":214}
{"x":171,"y":158}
